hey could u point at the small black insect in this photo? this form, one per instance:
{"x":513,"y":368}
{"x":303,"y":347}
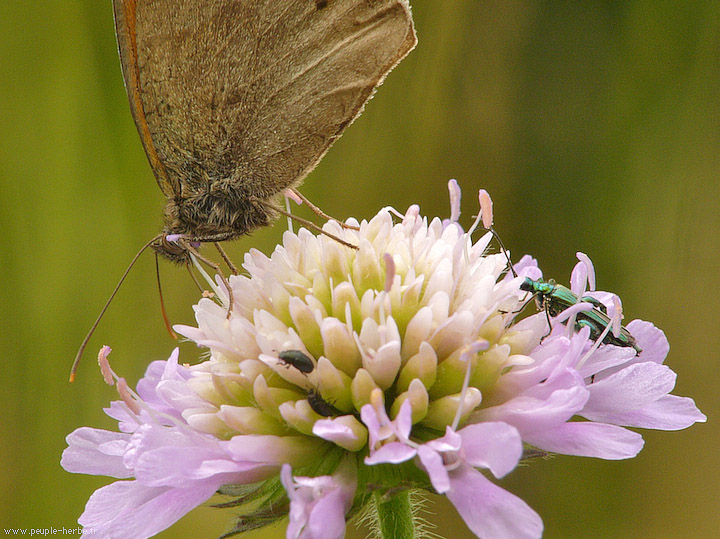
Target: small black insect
{"x":297,"y":359}
{"x":321,"y":406}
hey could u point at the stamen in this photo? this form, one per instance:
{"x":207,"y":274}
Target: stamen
{"x":413,"y":212}
{"x":594,"y":347}
{"x":486,"y":208}
{"x":475,"y":224}
{"x":105,"y":369}
{"x":293,"y":195}
{"x":616,"y":316}
{"x":288,"y":195}
{"x":570,"y":313}
{"x":579,"y":279}
{"x":455,"y":195}
{"x":585,"y":259}
{"x":126,"y":396}
{"x":208,"y":279}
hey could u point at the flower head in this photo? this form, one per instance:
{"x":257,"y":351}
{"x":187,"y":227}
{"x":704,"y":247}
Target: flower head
{"x":342,"y":365}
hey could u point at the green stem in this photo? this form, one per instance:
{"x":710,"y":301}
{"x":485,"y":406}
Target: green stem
{"x":395,"y":515}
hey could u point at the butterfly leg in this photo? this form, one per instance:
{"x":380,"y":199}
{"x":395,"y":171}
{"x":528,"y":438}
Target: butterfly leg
{"x":216,"y":267}
{"x":225,"y":257}
{"x":317,"y":211}
{"x":309,"y":224}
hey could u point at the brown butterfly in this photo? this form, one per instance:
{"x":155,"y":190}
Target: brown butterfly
{"x":237,"y":101}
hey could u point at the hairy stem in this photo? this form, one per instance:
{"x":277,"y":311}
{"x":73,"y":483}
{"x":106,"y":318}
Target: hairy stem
{"x":395,"y":515}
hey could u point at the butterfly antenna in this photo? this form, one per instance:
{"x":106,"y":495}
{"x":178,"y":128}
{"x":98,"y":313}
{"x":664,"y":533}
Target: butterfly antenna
{"x":80,"y":351}
{"x":166,"y":319}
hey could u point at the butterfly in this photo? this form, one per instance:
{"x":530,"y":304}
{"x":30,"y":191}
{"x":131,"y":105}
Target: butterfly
{"x":236,"y":101}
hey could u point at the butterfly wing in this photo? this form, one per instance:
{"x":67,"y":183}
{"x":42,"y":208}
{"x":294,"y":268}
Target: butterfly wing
{"x":125,"y":30}
{"x":253,"y":92}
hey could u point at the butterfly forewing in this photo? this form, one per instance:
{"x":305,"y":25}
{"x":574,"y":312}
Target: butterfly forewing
{"x":247,"y":95}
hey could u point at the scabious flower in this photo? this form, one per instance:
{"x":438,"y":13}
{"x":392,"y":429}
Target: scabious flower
{"x":368,"y":373}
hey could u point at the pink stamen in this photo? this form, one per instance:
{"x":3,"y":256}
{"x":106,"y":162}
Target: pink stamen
{"x":486,"y":208}
{"x":105,"y":369}
{"x":291,"y":194}
{"x":126,"y":396}
{"x":585,"y":259}
{"x":573,"y":310}
{"x":455,"y":195}
{"x":616,"y":315}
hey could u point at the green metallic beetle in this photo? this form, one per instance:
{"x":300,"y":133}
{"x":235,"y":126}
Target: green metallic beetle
{"x":554,"y":299}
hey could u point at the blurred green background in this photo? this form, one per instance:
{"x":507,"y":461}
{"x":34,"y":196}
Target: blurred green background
{"x":595,"y":126}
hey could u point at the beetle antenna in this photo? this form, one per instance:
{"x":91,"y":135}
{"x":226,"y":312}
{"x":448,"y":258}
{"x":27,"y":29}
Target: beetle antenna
{"x":486,"y":215}
{"x":504,"y":250}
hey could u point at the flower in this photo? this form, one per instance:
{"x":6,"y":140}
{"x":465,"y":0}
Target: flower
{"x":175,"y":465}
{"x":368,"y":372}
{"x":318,"y":504}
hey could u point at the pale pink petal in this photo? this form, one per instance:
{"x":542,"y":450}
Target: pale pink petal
{"x":654,"y":344}
{"x":173,"y":466}
{"x":96,"y":452}
{"x":529,"y":414}
{"x":129,"y":510}
{"x":669,"y":412}
{"x":327,"y":519}
{"x":274,"y":450}
{"x":434,"y":466}
{"x":527,"y":266}
{"x":377,"y":421}
{"x":496,"y":446}
{"x":606,"y":357}
{"x":588,"y":439}
{"x":318,"y":504}
{"x":489,"y":511}
{"x":394,"y":453}
{"x":344,"y":431}
{"x":403,"y":421}
{"x":629,"y":389}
